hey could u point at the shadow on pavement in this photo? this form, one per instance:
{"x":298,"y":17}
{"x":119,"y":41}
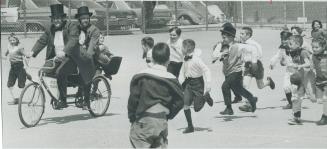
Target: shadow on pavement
{"x":70,"y":118}
{"x":198,"y":129}
{"x":228,"y":118}
{"x":308,"y":121}
{"x":269,"y":108}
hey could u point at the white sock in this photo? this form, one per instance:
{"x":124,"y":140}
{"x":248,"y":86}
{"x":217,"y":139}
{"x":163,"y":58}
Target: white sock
{"x":12,"y":92}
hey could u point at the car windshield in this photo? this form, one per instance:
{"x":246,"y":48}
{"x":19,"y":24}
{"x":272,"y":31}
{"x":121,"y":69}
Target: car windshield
{"x":134,"y":4}
{"x":78,"y":3}
{"x":45,"y":3}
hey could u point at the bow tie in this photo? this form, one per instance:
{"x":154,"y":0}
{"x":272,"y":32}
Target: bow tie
{"x":186,"y":58}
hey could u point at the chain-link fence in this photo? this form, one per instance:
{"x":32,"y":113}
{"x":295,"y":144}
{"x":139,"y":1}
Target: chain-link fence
{"x":122,"y":17}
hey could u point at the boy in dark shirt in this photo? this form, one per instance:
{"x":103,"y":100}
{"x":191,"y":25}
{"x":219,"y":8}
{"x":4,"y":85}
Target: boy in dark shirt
{"x":300,"y":60}
{"x":319,"y":59}
{"x":155,"y":96}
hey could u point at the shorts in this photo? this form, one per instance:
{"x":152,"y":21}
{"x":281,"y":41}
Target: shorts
{"x":194,"y":88}
{"x":257,"y":73}
{"x":150,"y":132}
{"x":17,"y":72}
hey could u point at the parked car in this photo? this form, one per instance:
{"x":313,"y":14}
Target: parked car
{"x":161,"y":13}
{"x":189,"y":12}
{"x":118,"y":18}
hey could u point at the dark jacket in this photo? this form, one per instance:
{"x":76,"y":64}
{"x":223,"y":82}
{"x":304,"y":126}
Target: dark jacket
{"x":147,"y":90}
{"x":84,"y":57}
{"x":70,"y":33}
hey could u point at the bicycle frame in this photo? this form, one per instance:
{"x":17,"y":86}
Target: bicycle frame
{"x":41,"y":81}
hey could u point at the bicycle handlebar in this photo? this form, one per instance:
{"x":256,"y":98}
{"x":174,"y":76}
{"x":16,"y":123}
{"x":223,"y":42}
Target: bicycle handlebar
{"x":53,"y":60}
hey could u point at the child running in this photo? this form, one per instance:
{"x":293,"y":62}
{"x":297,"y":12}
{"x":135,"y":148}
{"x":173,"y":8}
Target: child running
{"x":16,"y":54}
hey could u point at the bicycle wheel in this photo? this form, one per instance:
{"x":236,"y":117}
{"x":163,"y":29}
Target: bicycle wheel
{"x":31,"y":104}
{"x":99,"y":96}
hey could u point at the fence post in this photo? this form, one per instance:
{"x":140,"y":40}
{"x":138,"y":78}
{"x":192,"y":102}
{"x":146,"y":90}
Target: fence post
{"x":175,"y":11}
{"x":207,"y":21}
{"x":69,"y":10}
{"x":242,"y":13}
{"x":285,"y":13}
{"x":24,"y":15}
{"x":303,"y":12}
{"x":107,"y":17}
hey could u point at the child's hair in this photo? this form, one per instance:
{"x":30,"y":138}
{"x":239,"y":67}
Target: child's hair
{"x":298,"y":29}
{"x":313,"y":23}
{"x":148,"y":41}
{"x":297,"y":39}
{"x":12,"y":35}
{"x":321,"y":42}
{"x":248,"y":30}
{"x":189,"y":44}
{"x":178,"y":30}
{"x":161,"y":53}
{"x":285,"y":35}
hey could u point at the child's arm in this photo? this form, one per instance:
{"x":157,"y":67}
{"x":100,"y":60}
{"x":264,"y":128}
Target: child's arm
{"x":277,"y":57}
{"x":7,"y":52}
{"x":306,"y":57}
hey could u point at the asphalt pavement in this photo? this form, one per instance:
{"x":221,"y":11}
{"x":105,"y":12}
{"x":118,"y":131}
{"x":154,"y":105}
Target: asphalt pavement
{"x":76,"y":128}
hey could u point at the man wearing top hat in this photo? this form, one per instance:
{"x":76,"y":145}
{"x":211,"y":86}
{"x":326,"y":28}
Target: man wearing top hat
{"x":88,"y":42}
{"x":61,"y":40}
{"x":231,"y":56}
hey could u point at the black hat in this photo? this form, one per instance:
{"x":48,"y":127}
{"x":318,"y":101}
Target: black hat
{"x":83,"y":10}
{"x":57,"y":10}
{"x":228,"y":29}
{"x":285,"y":35}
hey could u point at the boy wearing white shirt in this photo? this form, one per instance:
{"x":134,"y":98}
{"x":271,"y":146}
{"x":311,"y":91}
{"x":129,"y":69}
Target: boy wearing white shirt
{"x":253,"y":68}
{"x":193,"y":70}
{"x":175,"y":43}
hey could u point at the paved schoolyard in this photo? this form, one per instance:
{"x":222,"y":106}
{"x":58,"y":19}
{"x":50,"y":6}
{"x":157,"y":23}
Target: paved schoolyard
{"x":74,"y":128}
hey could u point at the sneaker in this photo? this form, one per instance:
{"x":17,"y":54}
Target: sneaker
{"x":322,"y":121}
{"x":189,"y":130}
{"x":295,"y":121}
{"x":271,"y":83}
{"x":237,"y":100}
{"x":253,"y":104}
{"x":209,"y":100}
{"x":14,"y":101}
{"x":245,"y":108}
{"x":288,"y":106}
{"x":227,"y":111}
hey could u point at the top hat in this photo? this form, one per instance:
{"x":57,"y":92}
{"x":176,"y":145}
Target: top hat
{"x":57,"y":10}
{"x":228,"y":29}
{"x":83,"y":10}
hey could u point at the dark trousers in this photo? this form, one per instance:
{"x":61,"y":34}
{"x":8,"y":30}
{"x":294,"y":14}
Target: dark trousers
{"x":174,"y":68}
{"x":234,"y":82}
{"x":61,"y":72}
{"x":17,"y":72}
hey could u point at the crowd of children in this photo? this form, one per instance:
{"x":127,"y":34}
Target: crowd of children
{"x":177,"y":78}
